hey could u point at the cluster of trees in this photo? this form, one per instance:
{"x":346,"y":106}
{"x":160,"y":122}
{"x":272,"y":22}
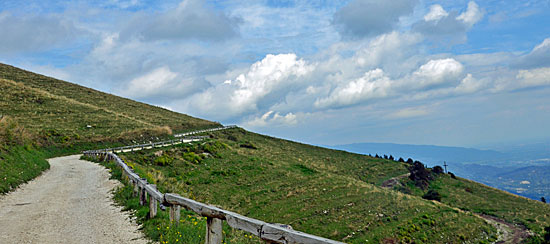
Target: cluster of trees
{"x":390,"y":157}
{"x":421,"y":175}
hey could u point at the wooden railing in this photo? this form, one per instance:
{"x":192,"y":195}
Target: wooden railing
{"x":270,"y":233}
{"x":203,"y":131}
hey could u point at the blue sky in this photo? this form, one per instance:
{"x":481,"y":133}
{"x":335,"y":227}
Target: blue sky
{"x":460,"y":73}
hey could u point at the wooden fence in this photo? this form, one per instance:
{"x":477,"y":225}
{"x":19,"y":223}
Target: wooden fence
{"x":206,"y":130}
{"x":270,"y":233}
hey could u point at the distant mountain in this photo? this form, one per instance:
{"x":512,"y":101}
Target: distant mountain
{"x":428,"y":154}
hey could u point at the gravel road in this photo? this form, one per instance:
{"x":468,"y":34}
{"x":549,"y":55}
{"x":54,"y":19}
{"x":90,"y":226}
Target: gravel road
{"x":70,"y":203}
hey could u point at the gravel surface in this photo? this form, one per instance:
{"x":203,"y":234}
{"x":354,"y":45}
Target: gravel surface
{"x":70,"y":203}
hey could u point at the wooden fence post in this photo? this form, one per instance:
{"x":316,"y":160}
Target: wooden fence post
{"x":136,"y":189}
{"x":175,"y":213}
{"x":214,"y":232}
{"x":152,"y":207}
{"x":142,"y":197}
{"x":152,"y":204}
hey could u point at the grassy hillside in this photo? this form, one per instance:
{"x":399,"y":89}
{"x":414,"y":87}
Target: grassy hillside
{"x":477,"y":198}
{"x":316,"y":190}
{"x":42,"y":104}
{"x":19,"y":160}
{"x":62,"y":118}
{"x":325,"y":192}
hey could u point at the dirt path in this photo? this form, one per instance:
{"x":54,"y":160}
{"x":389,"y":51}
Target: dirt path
{"x":70,"y":203}
{"x":392,"y":182}
{"x":508,"y":233}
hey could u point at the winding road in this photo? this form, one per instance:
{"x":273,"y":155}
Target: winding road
{"x":69,"y":203}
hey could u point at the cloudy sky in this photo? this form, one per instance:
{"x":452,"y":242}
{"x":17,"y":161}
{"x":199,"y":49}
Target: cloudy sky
{"x":453,"y":72}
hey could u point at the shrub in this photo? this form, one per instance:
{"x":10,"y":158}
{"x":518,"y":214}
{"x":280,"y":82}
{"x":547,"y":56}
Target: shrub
{"x":213,"y":147}
{"x":11,"y":133}
{"x":420,"y":175}
{"x":432,"y":195}
{"x":437,"y":169}
{"x":163,"y":160}
{"x":192,"y":157}
{"x":452,"y":175}
{"x":248,"y":145}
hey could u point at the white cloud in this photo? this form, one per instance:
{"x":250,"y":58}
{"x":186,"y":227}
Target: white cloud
{"x":364,"y":18}
{"x":273,"y":76}
{"x":534,"y":77}
{"x":472,"y":15}
{"x":439,"y":75}
{"x":273,"y":119}
{"x":386,"y":49}
{"x":543,"y":46}
{"x":436,"y":13}
{"x":191,"y":19}
{"x":436,"y":72}
{"x":469,"y":85}
{"x":35,"y":33}
{"x":373,"y":84}
{"x":448,"y":28}
{"x":151,"y":83}
{"x":409,"y":113}
{"x":538,"y":57}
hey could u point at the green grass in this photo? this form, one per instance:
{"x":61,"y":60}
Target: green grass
{"x":316,"y":190}
{"x":19,"y":160}
{"x":56,"y":116}
{"x":325,"y":192}
{"x":19,"y":164}
{"x":478,"y":198}
{"x":41,"y":103}
{"x":191,"y":228}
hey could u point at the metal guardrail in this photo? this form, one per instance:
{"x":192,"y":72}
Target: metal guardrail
{"x":270,"y":233}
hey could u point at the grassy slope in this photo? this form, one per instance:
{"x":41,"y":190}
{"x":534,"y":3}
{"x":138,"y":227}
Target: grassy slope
{"x":56,"y":113}
{"x":39,"y":102}
{"x":316,"y":190}
{"x":478,"y":198}
{"x":325,"y":192}
{"x":19,"y":160}
{"x":19,"y":164}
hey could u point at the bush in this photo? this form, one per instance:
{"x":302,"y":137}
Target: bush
{"x":12,"y":133}
{"x":437,"y":169}
{"x":213,"y":147}
{"x":192,"y":157}
{"x":420,"y":175}
{"x":248,"y":145}
{"x":452,"y":175}
{"x":163,"y":160}
{"x":432,"y":195}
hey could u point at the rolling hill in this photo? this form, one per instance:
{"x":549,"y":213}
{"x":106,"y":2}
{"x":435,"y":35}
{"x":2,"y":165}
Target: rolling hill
{"x":325,"y":192}
{"x":520,"y":169}
{"x":40,"y":103}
